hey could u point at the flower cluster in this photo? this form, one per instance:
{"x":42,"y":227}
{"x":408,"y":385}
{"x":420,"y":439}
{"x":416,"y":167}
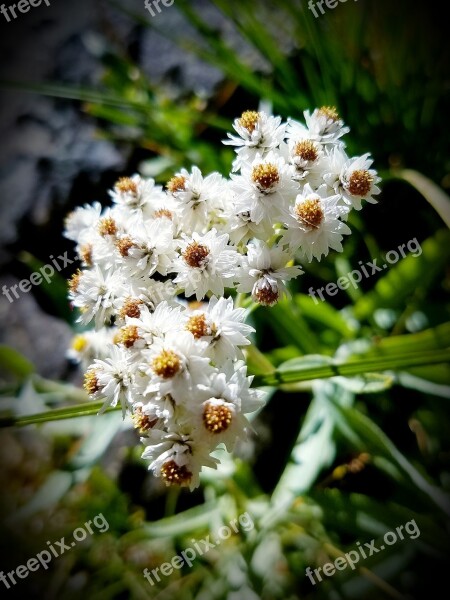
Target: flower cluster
{"x":177,"y":363}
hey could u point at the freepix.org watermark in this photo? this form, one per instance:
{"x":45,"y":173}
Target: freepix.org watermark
{"x":23,"y":6}
{"x":154,"y":6}
{"x":55,"y":549}
{"x":350,"y":559}
{"x":189,"y":554}
{"x":330,"y":4}
{"x":367,"y":270}
{"x":46,"y":272}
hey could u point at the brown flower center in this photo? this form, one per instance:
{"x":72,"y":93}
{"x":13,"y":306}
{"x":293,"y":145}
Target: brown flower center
{"x":266,"y":295}
{"x":131,"y":308}
{"x":143,"y":422}
{"x":167,"y":364}
{"x":127,"y":336}
{"x":126,"y":185}
{"x":163,"y":213}
{"x":198,"y":326}
{"x":217,"y":417}
{"x":310,"y":212}
{"x":265,"y":176}
{"x":175,"y":474}
{"x":360,"y":183}
{"x":91,"y":384}
{"x":176,"y":184}
{"x":124,"y":245}
{"x":195,"y":255}
{"x":86,"y":254}
{"x":330,"y":112}
{"x":107,"y":226}
{"x":249,"y":119}
{"x":306,"y":150}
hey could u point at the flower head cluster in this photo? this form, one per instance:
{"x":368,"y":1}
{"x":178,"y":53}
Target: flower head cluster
{"x":159,"y":267}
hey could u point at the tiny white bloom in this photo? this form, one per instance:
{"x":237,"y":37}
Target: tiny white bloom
{"x":324,"y":125}
{"x":177,"y":457}
{"x":222,"y":326}
{"x":176,"y":365}
{"x":258,"y":133}
{"x":314,"y":225}
{"x":352,"y":178}
{"x":112,"y":379}
{"x":264,"y":272}
{"x":198,"y":199}
{"x":206,"y":264}
{"x":96,"y":292}
{"x":264,"y":188}
{"x":147,"y":248}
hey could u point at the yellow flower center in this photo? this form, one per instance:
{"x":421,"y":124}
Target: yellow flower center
{"x":217,"y":417}
{"x":265,"y":176}
{"x":107,"y":226}
{"x":306,"y":150}
{"x":198,"y":326}
{"x":175,"y":474}
{"x":91,"y":384}
{"x":310,"y":212}
{"x":79,"y":343}
{"x":167,"y":364}
{"x":249,"y":119}
{"x":195,"y":255}
{"x":330,"y":112}
{"x":360,"y":183}
{"x":74,"y":281}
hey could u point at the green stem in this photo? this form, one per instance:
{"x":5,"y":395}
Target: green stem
{"x":275,"y":378}
{"x":355,"y":367}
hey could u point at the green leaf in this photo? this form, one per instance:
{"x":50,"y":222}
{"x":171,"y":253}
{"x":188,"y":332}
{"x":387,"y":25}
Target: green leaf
{"x":294,"y":372}
{"x":12,"y":361}
{"x":438,"y":199}
{"x":407,"y":276}
{"x":366,"y":435}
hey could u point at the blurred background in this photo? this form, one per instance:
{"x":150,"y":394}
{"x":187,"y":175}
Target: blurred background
{"x":93,"y":91}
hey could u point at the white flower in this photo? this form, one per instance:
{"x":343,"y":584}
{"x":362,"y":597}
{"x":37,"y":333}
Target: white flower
{"x":198,"y":199}
{"x":226,"y":400}
{"x":264,"y":188}
{"x":258,"y":133}
{"x":352,"y":178}
{"x":241,"y":228}
{"x":112,"y":379}
{"x":314,"y":225}
{"x":222,"y":326}
{"x":81,"y":223}
{"x":307,"y":158}
{"x":156,"y":324}
{"x":89,"y":345}
{"x":264,"y":272}
{"x":148,"y":248}
{"x":323,"y":125}
{"x":177,"y":457}
{"x":136,"y":195}
{"x":96,"y":292}
{"x":206,"y":264}
{"x":176,"y":365}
